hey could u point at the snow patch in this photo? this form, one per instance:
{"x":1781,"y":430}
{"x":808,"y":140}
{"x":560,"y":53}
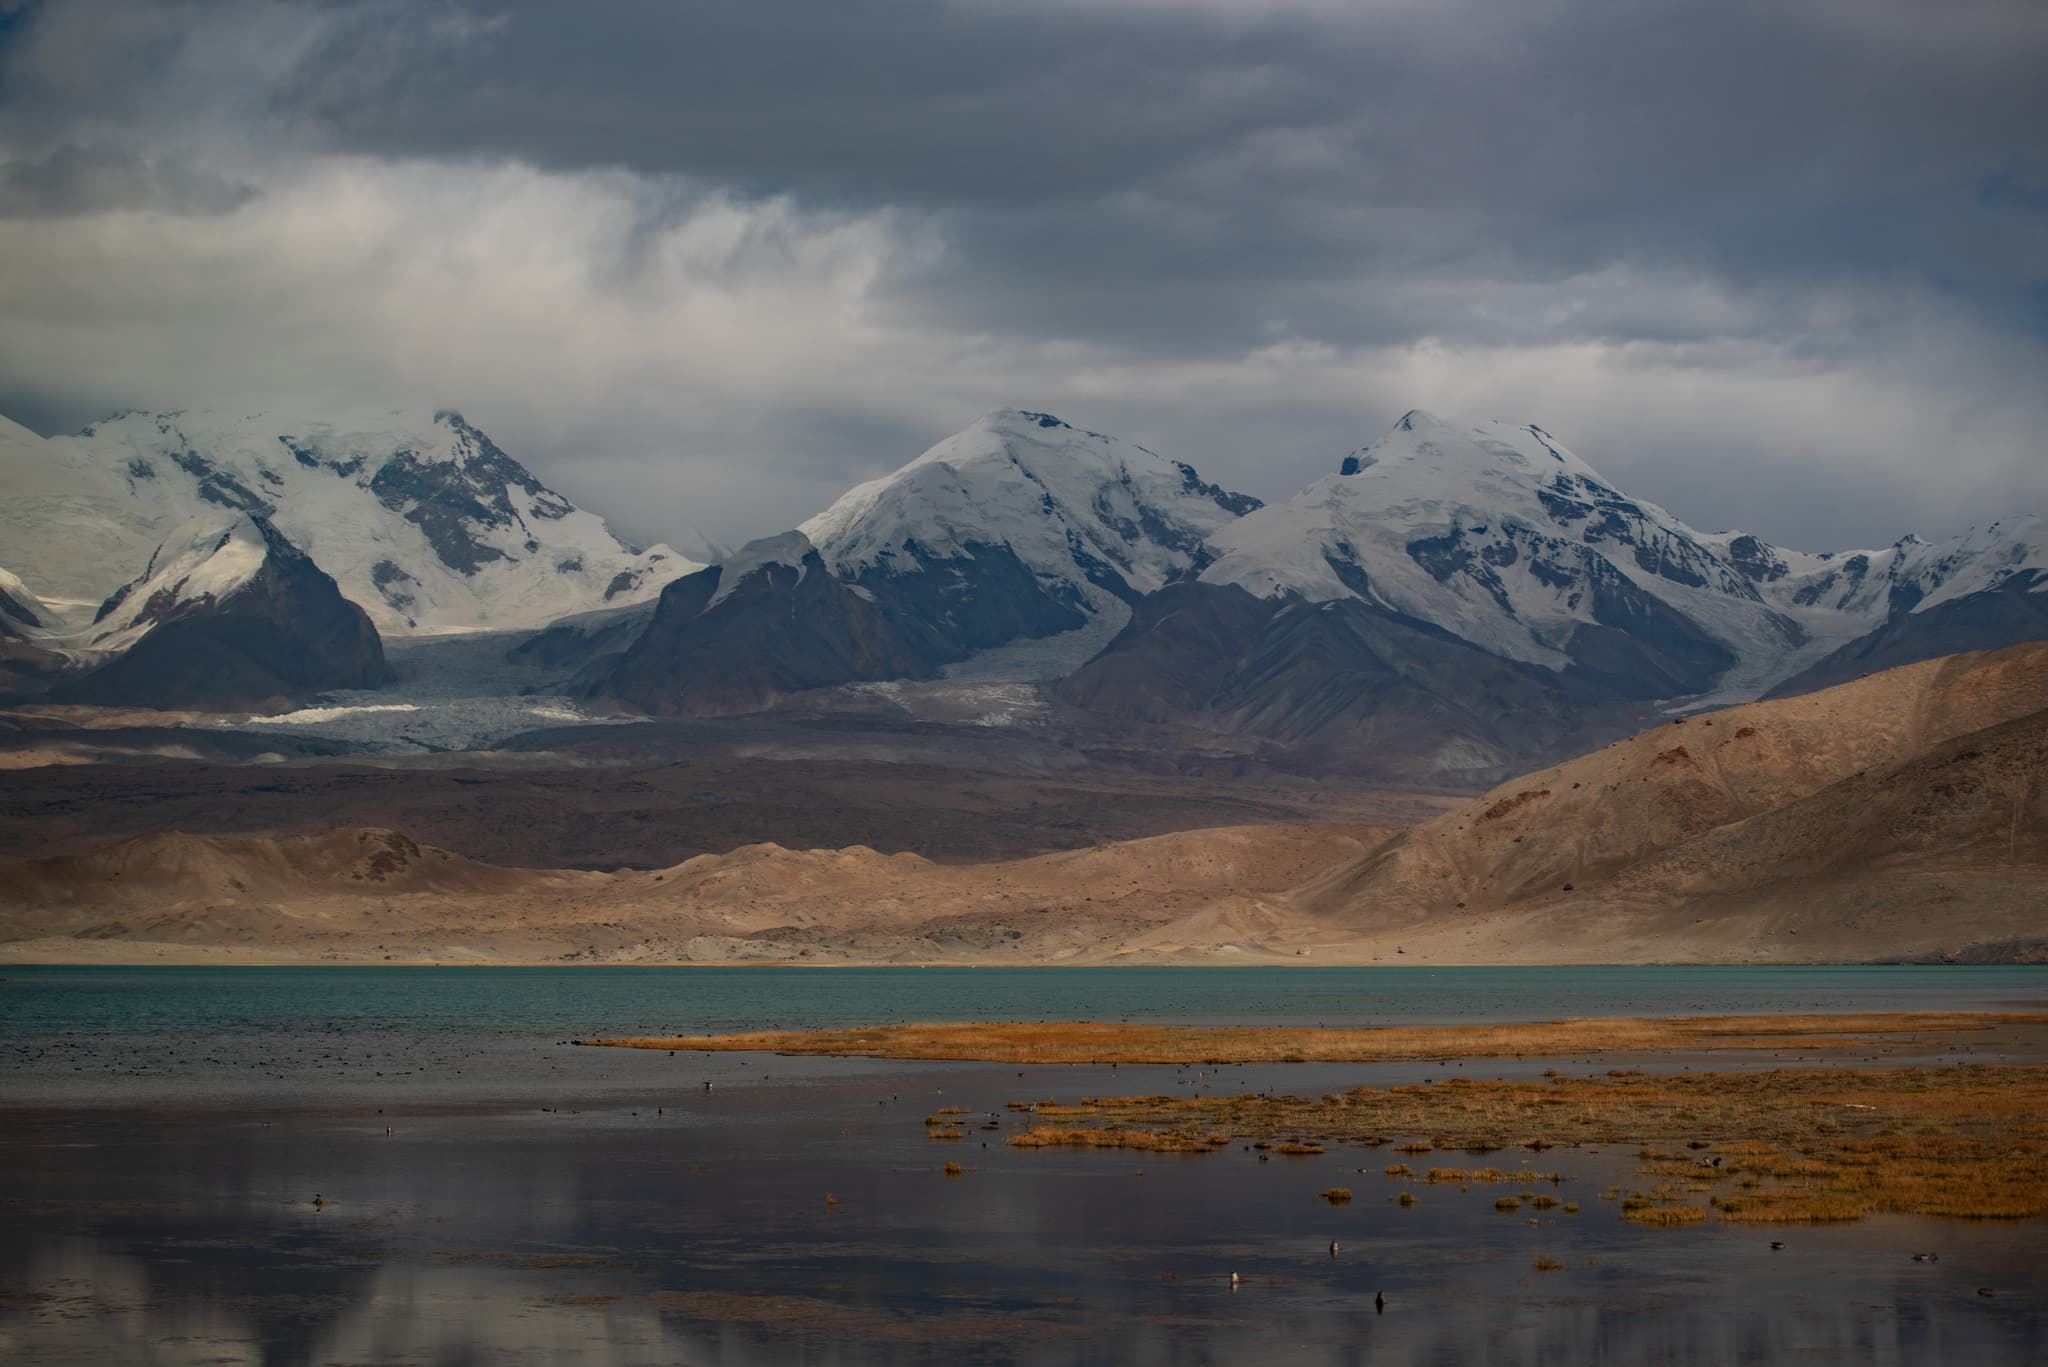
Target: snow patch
{"x":785,"y":548}
{"x":314,"y":716}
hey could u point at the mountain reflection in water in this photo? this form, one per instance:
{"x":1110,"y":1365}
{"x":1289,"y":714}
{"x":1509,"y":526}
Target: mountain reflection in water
{"x":166,"y":1134}
{"x":704,"y":1234}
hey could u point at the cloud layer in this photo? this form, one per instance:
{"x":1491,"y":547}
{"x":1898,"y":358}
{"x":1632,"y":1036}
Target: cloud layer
{"x":1782,"y":266}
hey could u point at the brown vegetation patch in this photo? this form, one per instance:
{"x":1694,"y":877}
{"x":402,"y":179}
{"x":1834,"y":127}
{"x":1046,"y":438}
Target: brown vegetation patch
{"x":1509,"y":804}
{"x":1152,"y":1141}
{"x":1809,"y":1144}
{"x":1665,"y":1216}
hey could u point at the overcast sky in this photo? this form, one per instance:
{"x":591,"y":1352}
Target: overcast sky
{"x":701,"y":264}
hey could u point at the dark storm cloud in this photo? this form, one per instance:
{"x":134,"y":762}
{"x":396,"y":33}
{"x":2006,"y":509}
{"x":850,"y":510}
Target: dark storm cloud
{"x":1179,"y":177}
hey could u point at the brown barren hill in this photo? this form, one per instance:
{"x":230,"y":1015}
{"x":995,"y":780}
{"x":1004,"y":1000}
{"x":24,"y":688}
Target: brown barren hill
{"x":374,"y":894}
{"x":1902,"y":815}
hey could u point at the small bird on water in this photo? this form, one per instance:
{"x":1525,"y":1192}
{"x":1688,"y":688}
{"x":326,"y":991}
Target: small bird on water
{"x":1379,"y":1302}
{"x":1333,"y":1248}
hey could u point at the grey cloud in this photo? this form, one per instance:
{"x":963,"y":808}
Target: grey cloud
{"x":80,"y":180}
{"x":1179,"y":179}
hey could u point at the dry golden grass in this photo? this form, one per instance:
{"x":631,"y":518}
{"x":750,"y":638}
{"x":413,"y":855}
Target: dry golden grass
{"x":1151,"y":1141}
{"x":1489,"y":1176}
{"x":1805,"y":1144}
{"x":1095,"y":1042}
{"x":1666,"y":1216}
{"x":1336,"y":1196}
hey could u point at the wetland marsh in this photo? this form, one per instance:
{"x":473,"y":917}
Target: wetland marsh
{"x":490,"y":1192}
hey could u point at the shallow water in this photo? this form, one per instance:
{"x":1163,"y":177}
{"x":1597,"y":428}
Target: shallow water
{"x":167,"y":1217}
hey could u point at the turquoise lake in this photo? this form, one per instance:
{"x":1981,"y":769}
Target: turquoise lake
{"x":590,"y":1000}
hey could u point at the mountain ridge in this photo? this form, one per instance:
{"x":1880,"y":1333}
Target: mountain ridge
{"x":425,"y":522}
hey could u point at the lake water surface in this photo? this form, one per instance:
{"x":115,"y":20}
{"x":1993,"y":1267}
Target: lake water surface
{"x":165,"y":1131}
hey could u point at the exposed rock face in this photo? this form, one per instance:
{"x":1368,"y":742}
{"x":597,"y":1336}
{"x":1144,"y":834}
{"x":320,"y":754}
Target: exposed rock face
{"x":238,"y":619}
{"x":27,"y":664}
{"x":21,"y":612}
{"x":766,"y":623}
{"x":580,"y":642}
{"x":1342,"y":683}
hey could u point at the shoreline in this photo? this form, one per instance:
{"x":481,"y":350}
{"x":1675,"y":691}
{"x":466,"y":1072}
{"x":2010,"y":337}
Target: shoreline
{"x":62,"y":952}
{"x":1816,"y":1035}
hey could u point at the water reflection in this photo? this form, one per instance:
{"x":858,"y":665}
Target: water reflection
{"x":704,"y":1234}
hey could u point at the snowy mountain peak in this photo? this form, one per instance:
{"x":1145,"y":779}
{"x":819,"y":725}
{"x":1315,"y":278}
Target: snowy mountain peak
{"x":1501,"y":534}
{"x":1022,"y":525}
{"x":424,"y":521}
{"x":1071,"y":504}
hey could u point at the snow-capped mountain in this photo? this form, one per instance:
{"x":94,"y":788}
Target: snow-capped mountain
{"x":220,"y":619}
{"x":1502,"y":536}
{"x":1019,"y":527}
{"x":423,"y":521}
{"x":1984,"y":590}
